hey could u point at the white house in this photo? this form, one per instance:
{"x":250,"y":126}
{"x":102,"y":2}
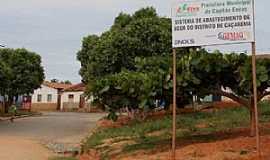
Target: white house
{"x":48,"y":97}
{"x":45,"y":94}
{"x":73,"y":97}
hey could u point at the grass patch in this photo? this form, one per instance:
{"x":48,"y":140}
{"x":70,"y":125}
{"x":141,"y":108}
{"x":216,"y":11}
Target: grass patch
{"x":139,"y":146}
{"x":135,"y":129}
{"x":193,"y":126}
{"x":264,"y":112}
{"x":146,"y":143}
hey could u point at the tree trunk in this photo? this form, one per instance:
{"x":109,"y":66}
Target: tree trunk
{"x":4,"y":107}
{"x":7,"y":103}
{"x":252,"y":119}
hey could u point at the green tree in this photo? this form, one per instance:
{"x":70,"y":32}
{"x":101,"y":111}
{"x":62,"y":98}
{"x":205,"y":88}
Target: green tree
{"x":228,"y":75}
{"x":21,"y":73}
{"x":130,"y":36}
{"x":129,"y":65}
{"x":66,"y":82}
{"x":54,"y":80}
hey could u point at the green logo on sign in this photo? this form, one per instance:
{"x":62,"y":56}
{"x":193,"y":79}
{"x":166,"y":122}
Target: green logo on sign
{"x":184,"y":10}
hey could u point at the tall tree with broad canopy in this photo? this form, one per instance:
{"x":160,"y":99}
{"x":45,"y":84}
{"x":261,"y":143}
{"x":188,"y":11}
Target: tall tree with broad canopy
{"x":20,"y":73}
{"x":130,"y":66}
{"x":228,"y":75}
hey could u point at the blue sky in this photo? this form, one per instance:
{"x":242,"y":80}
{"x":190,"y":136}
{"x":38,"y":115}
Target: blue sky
{"x":54,"y":28}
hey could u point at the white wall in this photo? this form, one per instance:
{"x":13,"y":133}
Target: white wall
{"x":64,"y":97}
{"x":44,"y":91}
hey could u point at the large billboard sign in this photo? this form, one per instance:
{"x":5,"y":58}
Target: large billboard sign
{"x":212,"y":22}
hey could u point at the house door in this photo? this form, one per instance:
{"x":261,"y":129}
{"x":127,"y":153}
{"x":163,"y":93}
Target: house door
{"x":59,"y":102}
{"x":26,"y":103}
{"x":82,"y":101}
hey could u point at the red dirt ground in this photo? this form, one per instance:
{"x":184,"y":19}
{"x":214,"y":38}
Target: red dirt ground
{"x":105,"y":123}
{"x":235,"y":146}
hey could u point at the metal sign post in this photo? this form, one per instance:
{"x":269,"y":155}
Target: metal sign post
{"x":174,"y":105}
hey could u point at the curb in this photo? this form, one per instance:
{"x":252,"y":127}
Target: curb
{"x":22,"y":116}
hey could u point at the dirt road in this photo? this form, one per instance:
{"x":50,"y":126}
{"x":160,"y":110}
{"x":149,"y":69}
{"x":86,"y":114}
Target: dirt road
{"x":14,"y":148}
{"x":26,"y":138}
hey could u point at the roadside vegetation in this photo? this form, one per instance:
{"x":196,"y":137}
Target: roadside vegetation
{"x":21,"y":73}
{"x":155,"y":135}
{"x":129,"y":67}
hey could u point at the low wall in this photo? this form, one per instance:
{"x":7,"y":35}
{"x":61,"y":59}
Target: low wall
{"x":44,"y":107}
{"x":93,"y":109}
{"x":74,"y":106}
{"x":67,"y":106}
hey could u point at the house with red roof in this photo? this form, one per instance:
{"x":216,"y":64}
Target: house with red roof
{"x":48,"y":96}
{"x":73,"y":98}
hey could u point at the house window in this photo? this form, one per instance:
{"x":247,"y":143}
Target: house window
{"x":39,"y":97}
{"x":70,"y":98}
{"x":49,"y":97}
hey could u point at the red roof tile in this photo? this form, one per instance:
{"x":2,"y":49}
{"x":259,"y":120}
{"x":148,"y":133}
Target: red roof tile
{"x":76,"y":88}
{"x":56,"y":85}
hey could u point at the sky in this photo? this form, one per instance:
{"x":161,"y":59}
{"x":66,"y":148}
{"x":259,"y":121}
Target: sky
{"x":54,"y":28}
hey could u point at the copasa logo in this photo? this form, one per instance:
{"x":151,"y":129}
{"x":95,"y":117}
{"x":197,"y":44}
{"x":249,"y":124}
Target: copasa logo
{"x":234,"y":36}
{"x":185,"y":9}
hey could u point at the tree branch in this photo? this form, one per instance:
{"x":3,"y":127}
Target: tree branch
{"x":240,"y":100}
{"x":261,"y":96}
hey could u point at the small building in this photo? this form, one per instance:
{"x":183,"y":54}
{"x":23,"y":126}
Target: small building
{"x":48,"y":97}
{"x":73,"y":98}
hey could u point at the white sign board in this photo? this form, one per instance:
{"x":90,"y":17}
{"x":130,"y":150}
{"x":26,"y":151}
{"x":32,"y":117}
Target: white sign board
{"x":211,"y":22}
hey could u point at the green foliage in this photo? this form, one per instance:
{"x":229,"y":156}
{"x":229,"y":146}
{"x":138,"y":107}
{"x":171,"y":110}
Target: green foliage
{"x":66,"y":82}
{"x":21,"y":72}
{"x":130,"y":66}
{"x":62,"y":82}
{"x":204,"y":74}
{"x":142,"y":34}
{"x":128,"y":88}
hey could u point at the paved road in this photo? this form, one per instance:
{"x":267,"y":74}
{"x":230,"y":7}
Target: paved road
{"x":52,"y":129}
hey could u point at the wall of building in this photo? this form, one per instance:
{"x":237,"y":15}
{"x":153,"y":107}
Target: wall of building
{"x":70,"y":106}
{"x":44,"y":104}
{"x":67,"y":103}
{"x":44,"y":107}
{"x":44,"y":91}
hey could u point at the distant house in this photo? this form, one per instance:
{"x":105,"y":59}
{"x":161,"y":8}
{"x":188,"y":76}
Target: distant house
{"x":73,"y":98}
{"x":48,"y":97}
